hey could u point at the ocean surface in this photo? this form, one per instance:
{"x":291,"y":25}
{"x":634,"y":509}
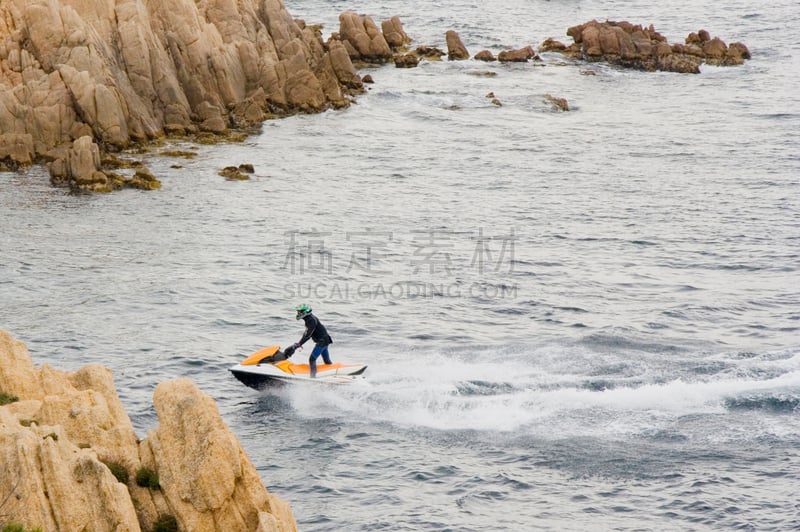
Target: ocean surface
{"x":583,"y":320}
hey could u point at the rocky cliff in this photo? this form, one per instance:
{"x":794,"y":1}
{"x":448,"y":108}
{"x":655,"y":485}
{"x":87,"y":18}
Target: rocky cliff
{"x":115,"y":72}
{"x":70,"y":460}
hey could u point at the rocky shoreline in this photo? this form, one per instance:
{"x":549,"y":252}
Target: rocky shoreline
{"x":84,"y":80}
{"x":70,"y":460}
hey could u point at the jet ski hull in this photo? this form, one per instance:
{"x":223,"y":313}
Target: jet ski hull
{"x":267,"y":367}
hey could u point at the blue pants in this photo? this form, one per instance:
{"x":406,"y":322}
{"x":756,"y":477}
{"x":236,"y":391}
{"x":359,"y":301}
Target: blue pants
{"x":312,"y":360}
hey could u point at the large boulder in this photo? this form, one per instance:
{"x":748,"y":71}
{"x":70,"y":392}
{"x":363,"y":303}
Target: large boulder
{"x":343,"y":67}
{"x":62,"y":434}
{"x":205,"y":474}
{"x":485,"y":55}
{"x":394,"y":33}
{"x":362,"y":38}
{"x":456,"y":51}
{"x":519,"y":55}
{"x":83,"y":164}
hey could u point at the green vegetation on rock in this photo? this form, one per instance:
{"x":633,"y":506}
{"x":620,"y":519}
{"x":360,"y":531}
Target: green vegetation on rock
{"x":119,"y":471}
{"x":147,"y":478}
{"x":17,"y":527}
{"x":6,"y":398}
{"x":166,"y":523}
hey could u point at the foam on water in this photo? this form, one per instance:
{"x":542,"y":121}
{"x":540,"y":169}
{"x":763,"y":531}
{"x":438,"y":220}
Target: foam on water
{"x":440,"y":392}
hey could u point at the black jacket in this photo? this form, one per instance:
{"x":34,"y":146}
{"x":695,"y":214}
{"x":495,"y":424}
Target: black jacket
{"x":316,"y":331}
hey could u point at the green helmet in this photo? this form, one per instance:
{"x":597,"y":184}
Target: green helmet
{"x":302,"y":311}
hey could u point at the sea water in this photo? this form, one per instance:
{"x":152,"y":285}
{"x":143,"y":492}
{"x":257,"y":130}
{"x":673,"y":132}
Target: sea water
{"x":572,"y":320}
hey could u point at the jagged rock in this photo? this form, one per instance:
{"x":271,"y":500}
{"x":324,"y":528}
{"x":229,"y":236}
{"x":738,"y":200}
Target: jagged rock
{"x":406,"y":60}
{"x":83,"y":160}
{"x":368,"y":79}
{"x":203,"y":471}
{"x":362,"y":38}
{"x":343,"y":67}
{"x":16,"y":148}
{"x":485,"y":55}
{"x":53,"y":440}
{"x":18,"y":377}
{"x":232,"y":173}
{"x":634,"y":46}
{"x":57,"y":438}
{"x":251,"y":111}
{"x":456,"y":51}
{"x":143,"y":179}
{"x":83,"y":165}
{"x":394,"y":34}
{"x":81,"y":168}
{"x":737,"y":53}
{"x":521,"y":55}
{"x":551,"y":45}
{"x":716,"y":52}
{"x":431,"y":53}
{"x":558,"y":104}
{"x":56,"y":485}
{"x":128,"y":71}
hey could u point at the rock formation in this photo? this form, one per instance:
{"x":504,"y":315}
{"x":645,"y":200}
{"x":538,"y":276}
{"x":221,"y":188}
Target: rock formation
{"x":409,"y":60}
{"x":394,"y":33}
{"x":485,"y":55}
{"x":431,"y":53}
{"x":633,"y":46}
{"x":456,"y":51}
{"x":557,"y":104}
{"x":125,"y":71}
{"x":362,"y":39}
{"x":83,"y":78}
{"x":68,"y":453}
{"x":521,"y":55}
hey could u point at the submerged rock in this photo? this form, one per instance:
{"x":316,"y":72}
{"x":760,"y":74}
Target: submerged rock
{"x":557,"y":103}
{"x":491,"y":97}
{"x":233,"y":173}
{"x":143,"y":179}
{"x":70,"y":448}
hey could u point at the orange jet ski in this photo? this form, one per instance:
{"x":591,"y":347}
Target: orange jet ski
{"x":271,"y":366}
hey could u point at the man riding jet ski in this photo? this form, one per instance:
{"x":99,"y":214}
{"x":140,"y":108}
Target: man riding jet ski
{"x":316,"y":331}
